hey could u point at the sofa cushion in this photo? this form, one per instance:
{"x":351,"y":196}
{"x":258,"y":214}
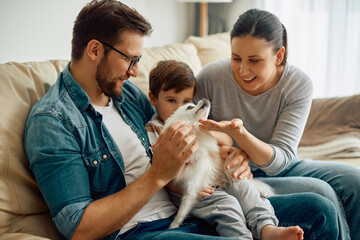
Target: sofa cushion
{"x":178,"y":51}
{"x":22,"y":208}
{"x":22,"y":236}
{"x":212,"y":47}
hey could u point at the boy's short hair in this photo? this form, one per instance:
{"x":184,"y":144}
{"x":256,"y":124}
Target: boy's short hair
{"x":171,"y":74}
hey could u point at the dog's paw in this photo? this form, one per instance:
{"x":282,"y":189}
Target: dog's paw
{"x":174,"y":225}
{"x":264,"y":194}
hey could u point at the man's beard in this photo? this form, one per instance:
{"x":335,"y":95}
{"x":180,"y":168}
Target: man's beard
{"x":106,"y":82}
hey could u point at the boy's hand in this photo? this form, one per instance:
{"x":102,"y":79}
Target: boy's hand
{"x":240,"y":162}
{"x":171,"y":151}
{"x":230,"y":127}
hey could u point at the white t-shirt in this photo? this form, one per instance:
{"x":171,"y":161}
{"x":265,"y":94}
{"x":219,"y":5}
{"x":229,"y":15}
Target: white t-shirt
{"x":136,"y":163}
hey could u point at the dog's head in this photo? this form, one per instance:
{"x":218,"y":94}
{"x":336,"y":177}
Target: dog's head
{"x":190,"y":113}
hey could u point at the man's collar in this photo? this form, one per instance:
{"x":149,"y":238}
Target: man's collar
{"x":77,"y":94}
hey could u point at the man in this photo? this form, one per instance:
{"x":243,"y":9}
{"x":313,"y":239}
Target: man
{"x":87,"y":144}
{"x":94,"y":169}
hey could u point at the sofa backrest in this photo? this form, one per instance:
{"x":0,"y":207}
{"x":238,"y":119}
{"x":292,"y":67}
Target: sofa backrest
{"x":22,"y":208}
{"x":212,"y":47}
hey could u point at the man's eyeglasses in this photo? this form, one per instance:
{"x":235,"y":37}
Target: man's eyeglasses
{"x":133,"y":61}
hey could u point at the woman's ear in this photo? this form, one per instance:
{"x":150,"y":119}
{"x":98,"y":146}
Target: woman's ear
{"x":280,"y":55}
{"x":152,"y":98}
{"x":94,"y":50}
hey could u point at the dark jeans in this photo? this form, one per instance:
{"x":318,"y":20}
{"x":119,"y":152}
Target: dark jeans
{"x":191,"y":229}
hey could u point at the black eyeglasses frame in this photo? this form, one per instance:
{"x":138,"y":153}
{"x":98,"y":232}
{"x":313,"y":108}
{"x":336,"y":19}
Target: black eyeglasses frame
{"x":133,"y":61}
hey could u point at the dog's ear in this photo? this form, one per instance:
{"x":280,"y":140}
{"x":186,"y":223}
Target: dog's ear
{"x":152,"y":98}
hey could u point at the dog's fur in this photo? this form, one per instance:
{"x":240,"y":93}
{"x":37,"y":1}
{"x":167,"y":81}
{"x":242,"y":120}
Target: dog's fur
{"x":205,"y":167}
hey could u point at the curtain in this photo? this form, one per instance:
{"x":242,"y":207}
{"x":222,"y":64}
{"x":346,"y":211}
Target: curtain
{"x":323,"y":39}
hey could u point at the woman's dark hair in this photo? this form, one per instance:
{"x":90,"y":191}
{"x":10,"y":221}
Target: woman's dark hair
{"x":105,"y":20}
{"x":262,"y":24}
{"x":171,"y":74}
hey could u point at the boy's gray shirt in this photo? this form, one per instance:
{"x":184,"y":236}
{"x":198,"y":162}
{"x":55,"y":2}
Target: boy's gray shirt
{"x":277,"y":116}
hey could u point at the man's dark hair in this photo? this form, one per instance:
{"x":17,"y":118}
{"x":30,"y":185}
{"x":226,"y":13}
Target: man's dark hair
{"x":105,"y":20}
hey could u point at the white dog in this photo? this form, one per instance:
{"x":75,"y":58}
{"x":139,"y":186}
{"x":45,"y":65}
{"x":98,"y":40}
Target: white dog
{"x":205,"y":167}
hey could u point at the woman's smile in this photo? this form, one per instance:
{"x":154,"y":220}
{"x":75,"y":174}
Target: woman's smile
{"x":248,"y":80}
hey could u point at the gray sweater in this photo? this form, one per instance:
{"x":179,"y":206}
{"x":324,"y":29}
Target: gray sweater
{"x":277,"y":117}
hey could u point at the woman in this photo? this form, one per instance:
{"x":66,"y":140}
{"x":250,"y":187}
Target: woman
{"x":269,"y":102}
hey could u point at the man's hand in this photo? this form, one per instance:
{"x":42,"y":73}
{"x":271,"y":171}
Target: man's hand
{"x":171,"y":151}
{"x":240,"y":163}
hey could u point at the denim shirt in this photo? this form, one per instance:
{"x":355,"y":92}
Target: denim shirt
{"x":73,"y":156}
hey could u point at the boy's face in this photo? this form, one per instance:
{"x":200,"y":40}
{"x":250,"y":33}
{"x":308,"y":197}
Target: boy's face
{"x":167,"y":102}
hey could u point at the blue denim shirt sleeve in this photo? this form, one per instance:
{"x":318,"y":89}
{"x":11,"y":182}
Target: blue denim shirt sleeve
{"x":69,"y":217}
{"x":62,"y":177}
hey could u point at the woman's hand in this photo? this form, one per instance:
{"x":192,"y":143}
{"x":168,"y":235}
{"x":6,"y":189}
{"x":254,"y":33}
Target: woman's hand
{"x":230,"y":127}
{"x":240,"y":162}
{"x":206,"y":192}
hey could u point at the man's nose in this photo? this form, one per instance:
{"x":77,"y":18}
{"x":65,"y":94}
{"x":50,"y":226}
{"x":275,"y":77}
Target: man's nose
{"x":133,"y":71}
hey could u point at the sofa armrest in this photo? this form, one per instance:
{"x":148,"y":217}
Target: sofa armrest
{"x":330,"y":118}
{"x":332,"y":130}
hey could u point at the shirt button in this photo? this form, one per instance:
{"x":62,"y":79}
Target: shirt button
{"x":143,"y":139}
{"x":104,"y":156}
{"x":95,"y":162}
{"x":124,"y":116}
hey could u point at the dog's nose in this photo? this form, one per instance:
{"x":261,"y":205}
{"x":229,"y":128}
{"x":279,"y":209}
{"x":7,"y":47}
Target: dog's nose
{"x":206,"y":103}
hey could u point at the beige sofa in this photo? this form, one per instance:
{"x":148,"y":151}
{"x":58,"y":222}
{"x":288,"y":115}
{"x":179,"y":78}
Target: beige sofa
{"x":23,"y":212}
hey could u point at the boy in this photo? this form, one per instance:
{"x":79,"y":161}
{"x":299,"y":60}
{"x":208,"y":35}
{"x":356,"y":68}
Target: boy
{"x":173,"y":84}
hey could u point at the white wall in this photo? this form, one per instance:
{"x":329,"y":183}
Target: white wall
{"x":37,"y":30}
